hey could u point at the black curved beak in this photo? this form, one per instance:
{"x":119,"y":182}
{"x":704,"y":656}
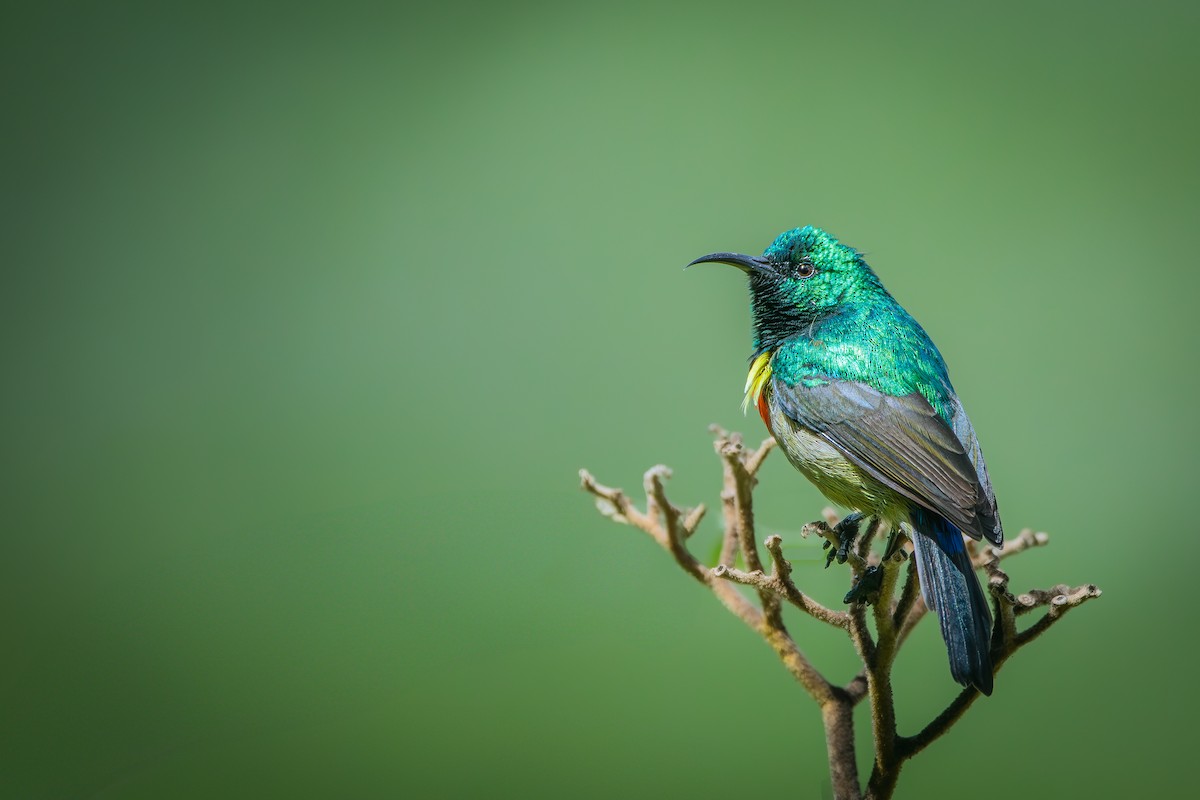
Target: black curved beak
{"x":746,"y":264}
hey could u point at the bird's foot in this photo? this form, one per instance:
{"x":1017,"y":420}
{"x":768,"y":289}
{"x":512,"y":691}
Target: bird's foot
{"x":845,"y":532}
{"x":866,"y":588}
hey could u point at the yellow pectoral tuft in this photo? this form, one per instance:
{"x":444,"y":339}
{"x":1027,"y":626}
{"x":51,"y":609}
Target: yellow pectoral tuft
{"x":760,"y":373}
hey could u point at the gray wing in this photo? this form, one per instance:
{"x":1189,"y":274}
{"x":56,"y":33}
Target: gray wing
{"x":965,"y":433}
{"x":902,"y":443}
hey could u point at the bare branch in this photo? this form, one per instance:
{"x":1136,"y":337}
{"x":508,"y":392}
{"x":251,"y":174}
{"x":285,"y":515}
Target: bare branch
{"x":915,"y":615}
{"x":860,"y":634}
{"x":691,"y":520}
{"x":838,"y":717}
{"x":909,"y":746}
{"x":1002,"y":599}
{"x":877,"y":669}
{"x":1059,"y":605}
{"x":1025,"y":540}
{"x":782,"y":575}
{"x":755,"y":460}
{"x":616,"y":505}
{"x":736,"y":498}
{"x":672,"y":526}
{"x":908,"y":596}
{"x":741,"y":482}
{"x":780,"y":583}
{"x":856,"y":689}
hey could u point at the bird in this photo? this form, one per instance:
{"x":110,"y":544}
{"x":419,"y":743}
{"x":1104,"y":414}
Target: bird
{"x":859,"y":399}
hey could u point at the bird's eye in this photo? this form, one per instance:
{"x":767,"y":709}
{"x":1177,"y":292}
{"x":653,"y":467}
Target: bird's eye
{"x":805,"y":270}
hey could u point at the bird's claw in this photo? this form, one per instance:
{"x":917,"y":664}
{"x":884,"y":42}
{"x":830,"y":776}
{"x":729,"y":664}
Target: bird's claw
{"x":846,"y":532}
{"x":866,"y":588}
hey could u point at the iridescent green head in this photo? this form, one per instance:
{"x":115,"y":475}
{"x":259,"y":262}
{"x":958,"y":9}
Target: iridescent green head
{"x":804,"y":275}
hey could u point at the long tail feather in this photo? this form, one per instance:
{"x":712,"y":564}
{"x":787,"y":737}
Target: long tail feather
{"x":951,"y":590}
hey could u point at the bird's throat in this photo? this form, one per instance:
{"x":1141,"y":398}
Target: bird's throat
{"x":776,"y":316}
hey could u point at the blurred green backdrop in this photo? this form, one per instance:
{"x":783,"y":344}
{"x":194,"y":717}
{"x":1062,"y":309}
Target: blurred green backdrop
{"x":311,"y":314}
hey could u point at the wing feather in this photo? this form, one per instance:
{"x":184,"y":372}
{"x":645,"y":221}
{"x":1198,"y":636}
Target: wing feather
{"x":901,"y":442}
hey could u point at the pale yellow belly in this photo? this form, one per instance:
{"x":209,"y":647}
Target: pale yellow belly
{"x":837,"y":478}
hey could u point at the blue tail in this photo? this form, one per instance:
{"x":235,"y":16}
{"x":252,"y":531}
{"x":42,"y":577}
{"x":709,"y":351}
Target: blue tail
{"x":951,"y":590}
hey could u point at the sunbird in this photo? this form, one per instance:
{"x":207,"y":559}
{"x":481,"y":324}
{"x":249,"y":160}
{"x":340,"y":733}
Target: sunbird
{"x":859,"y":399}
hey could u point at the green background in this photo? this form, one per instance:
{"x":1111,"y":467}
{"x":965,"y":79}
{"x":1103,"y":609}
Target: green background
{"x":311,"y":314}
